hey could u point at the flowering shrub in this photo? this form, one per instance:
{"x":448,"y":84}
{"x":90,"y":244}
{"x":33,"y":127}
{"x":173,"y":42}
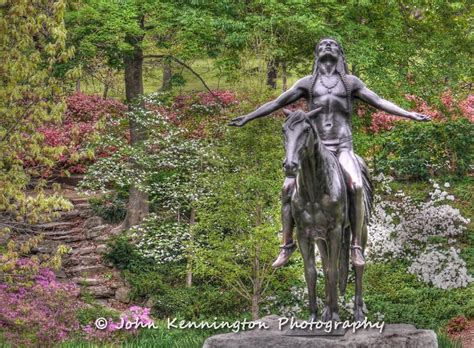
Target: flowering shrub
{"x":80,"y":124}
{"x":420,"y":233}
{"x":162,"y":242}
{"x":205,"y":103}
{"x":129,"y":323}
{"x":453,"y":109}
{"x":41,"y":314}
{"x":457,"y":324}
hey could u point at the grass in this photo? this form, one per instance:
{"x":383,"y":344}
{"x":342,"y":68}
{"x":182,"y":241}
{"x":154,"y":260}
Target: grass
{"x":152,"y":79}
{"x":161,"y":337}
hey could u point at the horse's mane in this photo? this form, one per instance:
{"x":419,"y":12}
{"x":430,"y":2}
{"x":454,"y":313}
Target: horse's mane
{"x":326,"y":160}
{"x":294,"y":118}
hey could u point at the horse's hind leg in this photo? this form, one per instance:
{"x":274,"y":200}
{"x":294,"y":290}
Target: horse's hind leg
{"x":307,"y":251}
{"x":359,"y":271}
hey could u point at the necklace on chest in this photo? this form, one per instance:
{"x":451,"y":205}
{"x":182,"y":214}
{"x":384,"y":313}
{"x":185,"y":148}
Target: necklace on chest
{"x":330,"y":84}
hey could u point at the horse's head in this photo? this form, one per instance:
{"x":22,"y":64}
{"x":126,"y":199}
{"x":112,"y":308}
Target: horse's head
{"x":299,"y":139}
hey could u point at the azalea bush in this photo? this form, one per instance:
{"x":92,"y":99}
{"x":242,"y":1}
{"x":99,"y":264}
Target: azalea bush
{"x":40,"y":313}
{"x":81,"y":123}
{"x":423,"y":233}
{"x":115,"y":330}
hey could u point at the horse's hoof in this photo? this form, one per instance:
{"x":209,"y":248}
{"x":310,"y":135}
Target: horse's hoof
{"x":359,"y":314}
{"x":326,"y":316}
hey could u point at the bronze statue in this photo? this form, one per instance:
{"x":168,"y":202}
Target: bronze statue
{"x":329,"y":92}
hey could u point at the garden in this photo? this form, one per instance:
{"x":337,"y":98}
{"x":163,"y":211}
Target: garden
{"x":126,"y":197}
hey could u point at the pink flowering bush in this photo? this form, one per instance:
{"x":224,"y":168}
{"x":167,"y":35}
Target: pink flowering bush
{"x":130,"y":322}
{"x":453,"y":109}
{"x":80,"y":124}
{"x":39,"y":314}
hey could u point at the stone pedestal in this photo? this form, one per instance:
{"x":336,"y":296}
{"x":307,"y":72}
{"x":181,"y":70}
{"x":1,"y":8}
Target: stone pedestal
{"x":392,"y":336}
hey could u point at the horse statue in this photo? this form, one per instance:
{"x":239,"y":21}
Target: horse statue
{"x":320,"y":209}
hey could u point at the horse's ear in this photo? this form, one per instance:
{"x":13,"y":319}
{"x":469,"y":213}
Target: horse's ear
{"x":287,"y":112}
{"x":314,"y":112}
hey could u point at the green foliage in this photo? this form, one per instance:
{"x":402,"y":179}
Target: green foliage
{"x":421,"y":150}
{"x":33,"y":42}
{"x":390,"y":290}
{"x":111,"y":207}
{"x":88,"y":314}
{"x":123,"y":254}
{"x":445,"y":342}
{"x":200,"y":301}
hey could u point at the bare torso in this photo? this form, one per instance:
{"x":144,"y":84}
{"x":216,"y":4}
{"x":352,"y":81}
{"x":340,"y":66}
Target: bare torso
{"x":334,"y":120}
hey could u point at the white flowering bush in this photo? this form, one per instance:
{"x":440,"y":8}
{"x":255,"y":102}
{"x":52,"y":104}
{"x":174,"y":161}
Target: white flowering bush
{"x":423,"y":233}
{"x":162,"y":242}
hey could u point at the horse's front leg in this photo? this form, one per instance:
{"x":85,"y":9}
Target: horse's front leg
{"x":307,"y":251}
{"x":334,"y":250}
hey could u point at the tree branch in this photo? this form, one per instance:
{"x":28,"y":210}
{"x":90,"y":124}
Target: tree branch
{"x":180,"y":62}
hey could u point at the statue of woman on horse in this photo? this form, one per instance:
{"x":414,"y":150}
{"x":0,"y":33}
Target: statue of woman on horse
{"x":329,"y":92}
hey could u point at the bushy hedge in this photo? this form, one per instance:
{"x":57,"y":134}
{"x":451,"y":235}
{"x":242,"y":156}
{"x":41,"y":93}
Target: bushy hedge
{"x":413,"y":150}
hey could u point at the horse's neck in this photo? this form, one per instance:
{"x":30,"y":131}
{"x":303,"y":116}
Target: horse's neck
{"x":313,"y":177}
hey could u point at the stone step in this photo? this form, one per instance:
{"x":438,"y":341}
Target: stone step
{"x":100,"y":291}
{"x":82,"y":206}
{"x":89,"y":260}
{"x":55,"y":225}
{"x":69,"y":238}
{"x":69,"y":215}
{"x":89,"y":281}
{"x":79,"y":200}
{"x":78,"y":252}
{"x":97,"y":231}
{"x":60,"y":233}
{"x":83,"y":271}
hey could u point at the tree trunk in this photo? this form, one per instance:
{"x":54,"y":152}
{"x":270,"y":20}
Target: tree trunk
{"x":272,"y":74}
{"x":257,"y":285}
{"x":106,"y":90}
{"x":138,"y":206}
{"x":284,"y":76}
{"x":189,"y":268}
{"x":78,"y":86}
{"x":167,"y":74}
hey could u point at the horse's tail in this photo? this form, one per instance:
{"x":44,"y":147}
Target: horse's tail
{"x":344,"y":260}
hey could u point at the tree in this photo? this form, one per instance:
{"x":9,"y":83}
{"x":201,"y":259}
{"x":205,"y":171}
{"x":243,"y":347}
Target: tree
{"x":237,"y":224}
{"x":132,"y":31}
{"x":32,"y":91}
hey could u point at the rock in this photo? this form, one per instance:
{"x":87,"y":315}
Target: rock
{"x":89,"y":281}
{"x":5,"y":237}
{"x":87,"y":270}
{"x":100,"y":291}
{"x":84,"y":251}
{"x":95,"y":232}
{"x":122,"y":294}
{"x":92,"y":222}
{"x":393,"y":336}
{"x":101,"y":249}
{"x":150,"y":303}
{"x":56,"y":225}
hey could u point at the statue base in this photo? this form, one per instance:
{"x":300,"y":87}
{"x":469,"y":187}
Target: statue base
{"x":277,"y":336}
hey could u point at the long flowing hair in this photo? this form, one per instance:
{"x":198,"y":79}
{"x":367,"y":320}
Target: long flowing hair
{"x":341,"y":69}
